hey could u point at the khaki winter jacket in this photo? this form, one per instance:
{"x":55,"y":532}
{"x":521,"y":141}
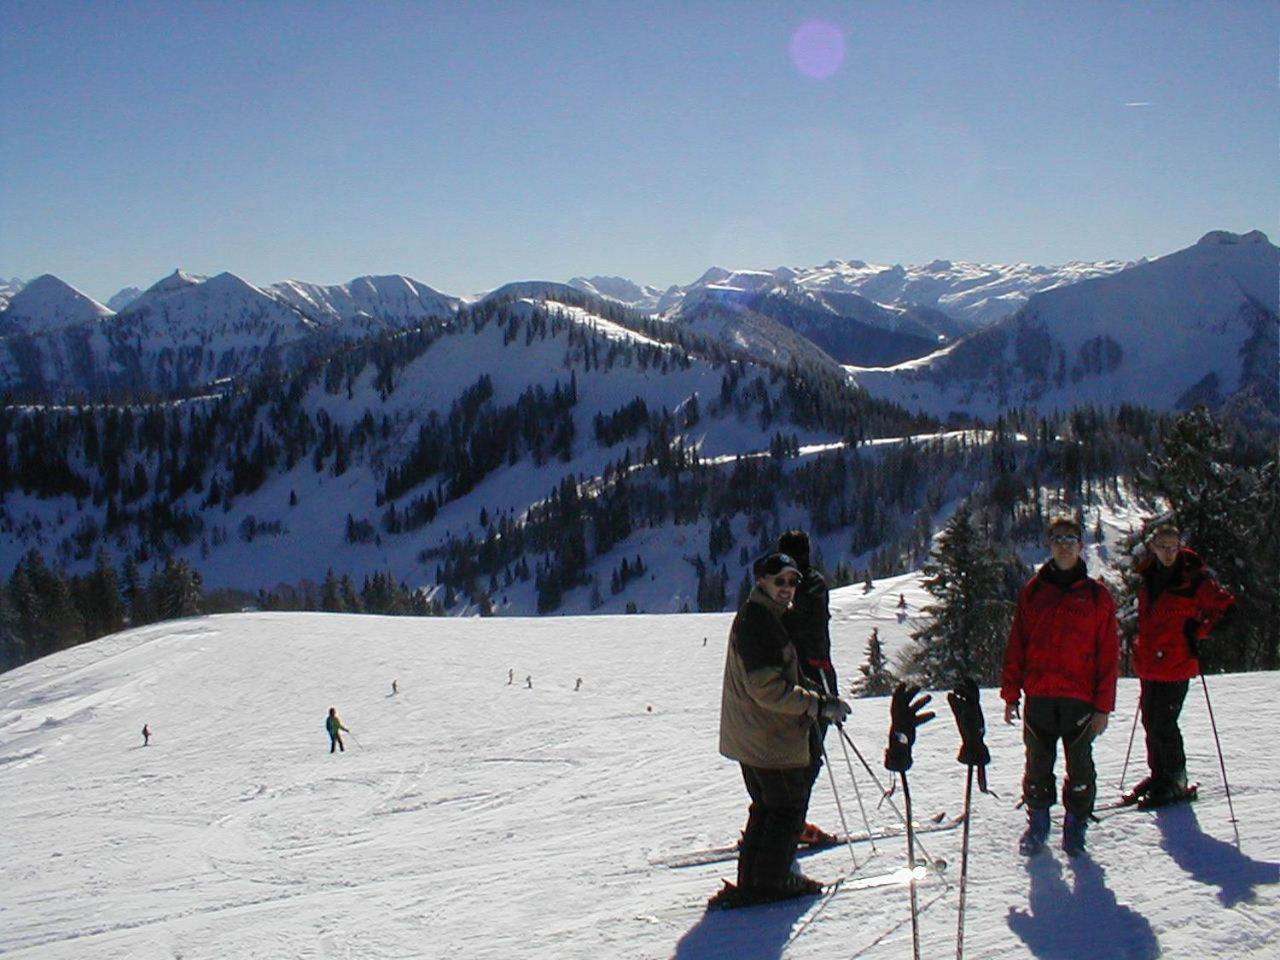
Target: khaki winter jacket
{"x":765,"y":714}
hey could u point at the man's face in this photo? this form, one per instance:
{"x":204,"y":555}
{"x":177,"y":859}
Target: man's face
{"x":1064,"y":544}
{"x":781,"y":587}
{"x":1165,"y":547}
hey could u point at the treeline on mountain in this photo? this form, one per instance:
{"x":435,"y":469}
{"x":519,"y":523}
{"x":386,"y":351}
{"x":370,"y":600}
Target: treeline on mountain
{"x":44,"y":610}
{"x":155,"y":469}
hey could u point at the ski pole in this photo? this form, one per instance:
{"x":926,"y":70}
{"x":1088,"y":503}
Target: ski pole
{"x":1132,"y":730}
{"x":356,"y":739}
{"x":887,"y":794}
{"x":964,"y":864}
{"x":911,"y":867}
{"x":844,"y":824}
{"x":1221,"y":762}
{"x":857,"y":792}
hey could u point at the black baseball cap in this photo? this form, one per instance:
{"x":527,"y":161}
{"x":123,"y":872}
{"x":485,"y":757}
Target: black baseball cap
{"x":772,"y":564}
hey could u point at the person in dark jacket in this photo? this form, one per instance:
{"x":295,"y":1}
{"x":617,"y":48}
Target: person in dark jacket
{"x":334,"y":725}
{"x":1064,"y":653}
{"x":1179,"y":604}
{"x":807,"y":621}
{"x":765,"y":716}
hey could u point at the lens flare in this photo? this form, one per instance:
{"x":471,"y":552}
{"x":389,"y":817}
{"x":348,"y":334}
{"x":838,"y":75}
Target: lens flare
{"x":817,"y":49}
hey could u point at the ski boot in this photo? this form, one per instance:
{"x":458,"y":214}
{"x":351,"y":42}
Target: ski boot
{"x":1168,"y":790}
{"x":1138,"y":793}
{"x":1037,"y":831}
{"x":1073,"y":830}
{"x":814,"y":836}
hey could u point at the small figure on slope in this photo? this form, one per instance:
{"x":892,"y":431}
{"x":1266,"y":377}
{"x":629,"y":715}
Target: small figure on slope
{"x":333,"y":724}
{"x":146,"y":735}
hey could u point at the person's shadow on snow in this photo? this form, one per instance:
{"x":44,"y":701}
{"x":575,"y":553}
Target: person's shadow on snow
{"x":1067,"y":921}
{"x":753,"y":933}
{"x":1209,"y":860}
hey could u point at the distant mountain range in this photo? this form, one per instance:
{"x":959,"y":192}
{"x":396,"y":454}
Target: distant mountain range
{"x":945,"y":338}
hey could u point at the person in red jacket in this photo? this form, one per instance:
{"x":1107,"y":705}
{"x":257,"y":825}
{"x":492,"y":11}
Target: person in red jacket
{"x":1179,"y":603}
{"x":1064,"y":653}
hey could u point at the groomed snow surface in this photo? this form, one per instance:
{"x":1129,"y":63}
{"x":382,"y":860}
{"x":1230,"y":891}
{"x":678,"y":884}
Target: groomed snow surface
{"x":476,"y":819}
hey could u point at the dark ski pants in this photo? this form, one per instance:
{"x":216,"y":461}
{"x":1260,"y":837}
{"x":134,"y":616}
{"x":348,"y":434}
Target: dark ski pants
{"x":1161,"y":703}
{"x":335,"y":740}
{"x":779,"y":803}
{"x":817,"y":734}
{"x":1046,"y":721}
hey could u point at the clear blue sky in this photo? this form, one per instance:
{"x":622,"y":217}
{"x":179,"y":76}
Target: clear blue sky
{"x":471,"y":143}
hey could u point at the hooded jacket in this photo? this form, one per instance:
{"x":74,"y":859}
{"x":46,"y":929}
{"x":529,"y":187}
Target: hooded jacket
{"x":1187,"y":605}
{"x":765,"y":713}
{"x":1063,"y":641}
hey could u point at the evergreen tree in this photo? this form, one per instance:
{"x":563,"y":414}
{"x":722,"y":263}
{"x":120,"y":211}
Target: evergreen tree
{"x":966,"y":628}
{"x":1223,"y":494}
{"x":877,"y":679}
{"x":177,"y":590}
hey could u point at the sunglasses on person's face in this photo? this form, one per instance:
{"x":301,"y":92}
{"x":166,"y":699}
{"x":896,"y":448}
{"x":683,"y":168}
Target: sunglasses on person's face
{"x":791,"y":582}
{"x":1063,"y":539}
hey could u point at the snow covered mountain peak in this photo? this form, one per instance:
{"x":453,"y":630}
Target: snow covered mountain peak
{"x":1196,"y":326}
{"x":48,"y":303}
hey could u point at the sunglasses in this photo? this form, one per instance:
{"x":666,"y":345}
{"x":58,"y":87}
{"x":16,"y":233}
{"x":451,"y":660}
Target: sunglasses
{"x":1064,"y":538}
{"x":786,"y":582}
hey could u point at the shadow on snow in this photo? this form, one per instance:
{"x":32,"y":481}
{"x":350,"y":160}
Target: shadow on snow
{"x":1209,"y":860}
{"x":1083,"y":919}
{"x":752,"y":933}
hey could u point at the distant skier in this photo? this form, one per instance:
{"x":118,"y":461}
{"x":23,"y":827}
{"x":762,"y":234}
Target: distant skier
{"x":528,"y":682}
{"x":511,"y":676}
{"x":765,"y":715}
{"x":577,"y":686}
{"x":395,"y":688}
{"x":1179,"y":603}
{"x":1063,"y":651}
{"x":902,"y":601}
{"x":146,"y":735}
{"x":334,"y":725}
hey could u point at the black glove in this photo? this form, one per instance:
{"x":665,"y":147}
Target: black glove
{"x":905,"y":716}
{"x":964,"y":704}
{"x":1191,"y":630}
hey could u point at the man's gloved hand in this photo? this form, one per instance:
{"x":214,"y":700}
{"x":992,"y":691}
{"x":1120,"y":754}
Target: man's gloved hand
{"x":835,"y":710}
{"x":969,"y":719}
{"x":905,"y":716}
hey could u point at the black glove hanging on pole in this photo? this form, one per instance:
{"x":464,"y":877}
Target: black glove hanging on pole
{"x":964,"y":704}
{"x":905,"y":716}
{"x":968,"y":711}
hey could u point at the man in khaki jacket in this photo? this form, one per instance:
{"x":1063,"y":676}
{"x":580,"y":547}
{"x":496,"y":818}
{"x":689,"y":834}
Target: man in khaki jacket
{"x":765,"y":716}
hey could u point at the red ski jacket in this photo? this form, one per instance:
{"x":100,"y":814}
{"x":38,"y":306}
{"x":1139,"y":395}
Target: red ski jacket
{"x":1190,"y":606}
{"x":1063,"y":643}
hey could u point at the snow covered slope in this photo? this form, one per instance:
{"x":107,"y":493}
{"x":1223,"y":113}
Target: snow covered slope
{"x":473,"y":819}
{"x":1197,"y":326}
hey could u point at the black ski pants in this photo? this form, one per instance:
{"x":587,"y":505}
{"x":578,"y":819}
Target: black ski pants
{"x":1161,"y":703}
{"x":335,"y":740}
{"x":779,"y":804}
{"x":1046,"y":721}
{"x":817,"y":734}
